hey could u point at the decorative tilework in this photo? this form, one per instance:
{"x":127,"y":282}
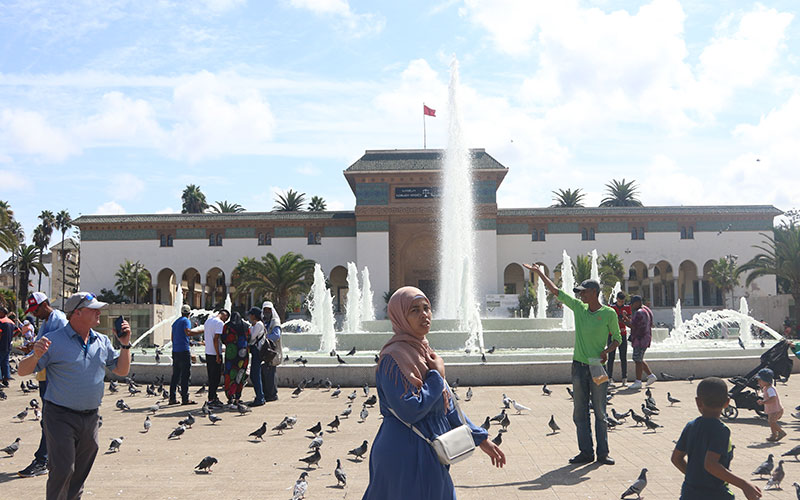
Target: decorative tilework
{"x":372,"y":226}
{"x":517,"y":228}
{"x":372,"y":194}
{"x":662,"y":226}
{"x":485,"y":191}
{"x":736,"y":225}
{"x":337,"y":231}
{"x":240,"y":232}
{"x":563,"y":227}
{"x":190,"y":234}
{"x":119,"y":234}
{"x":612,"y":227}
{"x":486,"y":224}
{"x":290,"y":232}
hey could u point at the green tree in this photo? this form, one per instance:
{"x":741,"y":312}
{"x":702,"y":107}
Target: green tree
{"x":63,"y":223}
{"x":779,"y":256}
{"x":581,"y":269}
{"x":278,"y":279}
{"x":40,"y":240}
{"x":194,"y":201}
{"x":132,"y":280}
{"x":612,"y":270}
{"x":223,"y":207}
{"x":527,"y":299}
{"x":317,"y":204}
{"x":290,"y":201}
{"x":8,"y":240}
{"x":23,"y":263}
{"x":724,"y":275}
{"x":566,"y":198}
{"x":621,"y":194}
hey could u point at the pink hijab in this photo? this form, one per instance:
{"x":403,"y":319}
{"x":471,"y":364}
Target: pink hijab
{"x":409,"y":352}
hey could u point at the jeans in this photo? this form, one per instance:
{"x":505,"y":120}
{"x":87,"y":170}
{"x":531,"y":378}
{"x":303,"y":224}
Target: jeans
{"x":255,"y":374}
{"x":5,"y":368}
{"x":583,"y":388}
{"x":181,"y":366}
{"x":41,"y":453}
{"x":214,"y":371}
{"x":269,"y":381}
{"x":623,"y":358}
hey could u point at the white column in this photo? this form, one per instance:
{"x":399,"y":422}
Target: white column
{"x":154,"y":293}
{"x":652,"y":299}
{"x":700,"y":289}
{"x":202,"y":296}
{"x":675,"y":289}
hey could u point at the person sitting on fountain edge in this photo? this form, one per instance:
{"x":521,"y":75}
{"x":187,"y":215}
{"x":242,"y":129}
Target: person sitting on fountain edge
{"x":594,"y":322}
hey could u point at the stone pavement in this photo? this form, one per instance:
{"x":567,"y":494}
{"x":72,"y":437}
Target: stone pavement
{"x":149,"y":466}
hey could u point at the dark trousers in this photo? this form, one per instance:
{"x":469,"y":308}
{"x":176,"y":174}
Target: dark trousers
{"x":72,"y":445}
{"x":623,"y":358}
{"x":269,"y":382}
{"x":255,"y":374}
{"x":214,"y":371}
{"x":5,"y":368}
{"x":181,"y":366}
{"x":41,"y":453}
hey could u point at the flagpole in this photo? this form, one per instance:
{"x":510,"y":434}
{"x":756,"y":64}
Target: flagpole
{"x":424,"y":130}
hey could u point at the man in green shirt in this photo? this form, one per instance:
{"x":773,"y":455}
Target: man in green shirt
{"x":594,"y":322}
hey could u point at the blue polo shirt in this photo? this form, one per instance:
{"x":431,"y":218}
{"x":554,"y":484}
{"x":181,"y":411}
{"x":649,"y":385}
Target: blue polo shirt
{"x":180,"y":341}
{"x":75,"y":371}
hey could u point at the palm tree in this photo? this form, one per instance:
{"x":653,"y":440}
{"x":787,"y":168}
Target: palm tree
{"x":724,"y":275}
{"x":25,"y":261}
{"x":568,"y":198}
{"x":131,"y":279}
{"x":317,"y":204}
{"x":779,"y":256}
{"x":194,"y":201}
{"x":63,"y":223}
{"x":581,"y":269}
{"x":223,"y":207}
{"x":41,"y":240}
{"x":291,"y":201}
{"x":621,"y":194}
{"x":8,"y":240}
{"x":612,"y":270}
{"x":274,"y":278}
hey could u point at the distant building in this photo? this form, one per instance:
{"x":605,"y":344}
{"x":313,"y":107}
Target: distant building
{"x":71,"y":257}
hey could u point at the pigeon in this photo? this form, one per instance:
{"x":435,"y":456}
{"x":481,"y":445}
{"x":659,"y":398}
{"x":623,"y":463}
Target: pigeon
{"x":647,"y":411}
{"x":316,"y":443}
{"x":569,"y":391}
{"x":519,"y":407}
{"x":762,"y":343}
{"x":151,"y":390}
{"x":486,"y":423}
{"x":301,"y":360}
{"x":483,"y":358}
{"x":691,"y":378}
{"x":23,"y":388}
{"x":546,"y":391}
{"x":155,"y":407}
{"x":469,"y":394}
{"x":32,"y":385}
{"x":188,"y":421}
{"x":332,"y":353}
{"x":122,"y":405}
{"x":553,"y":425}
{"x":364,"y":413}
{"x":290,"y":421}
{"x":491,"y":351}
{"x":315,"y":429}
{"x":201,"y":390}
{"x":371,"y":400}
{"x":498,"y":440}
{"x":672,"y":400}
{"x":133,"y":390}
{"x":147,"y":423}
{"x":351,"y":352}
{"x":506,"y":402}
{"x":37,"y":415}
{"x":3,"y":395}
{"x":620,"y":416}
{"x":112,"y":386}
{"x":636,"y":418}
{"x":335,"y":393}
{"x":638,"y":486}
{"x":312,"y":459}
{"x":352,"y":396}
{"x":793,"y":452}
{"x":505,"y":423}
{"x":34,"y":403}
{"x":777,"y":476}
{"x":327,"y":384}
{"x":282,"y":426}
{"x":259,"y":433}
{"x":347,"y":411}
{"x":21,"y":416}
{"x":341,"y":477}
{"x":99,"y":421}
{"x":300,"y":487}
{"x":115,"y":444}
{"x":668,"y":377}
{"x":334,"y":425}
{"x":206,"y":463}
{"x":360,"y":451}
{"x":340,"y":360}
{"x":765,"y":467}
{"x":177,"y":432}
{"x":741,"y":343}
{"x":651,"y":425}
{"x":366,"y":390}
{"x":499,"y":417}
{"x":242,"y":408}
{"x":611,"y":422}
{"x":12,"y":448}
{"x":297,"y":391}
{"x":454,"y":386}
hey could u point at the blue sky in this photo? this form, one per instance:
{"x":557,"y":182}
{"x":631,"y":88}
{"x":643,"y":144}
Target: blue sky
{"x":113,"y":107}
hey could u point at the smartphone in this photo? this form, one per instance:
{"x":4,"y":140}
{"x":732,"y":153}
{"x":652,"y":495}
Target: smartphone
{"x":118,"y":326}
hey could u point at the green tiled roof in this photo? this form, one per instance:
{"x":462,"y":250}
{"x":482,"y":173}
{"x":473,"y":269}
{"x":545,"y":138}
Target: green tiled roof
{"x":765,"y":210}
{"x":242,"y":216}
{"x":416,"y":159}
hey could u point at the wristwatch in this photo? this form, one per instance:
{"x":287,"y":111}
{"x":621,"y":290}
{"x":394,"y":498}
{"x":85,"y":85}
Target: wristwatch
{"x":125,"y":346}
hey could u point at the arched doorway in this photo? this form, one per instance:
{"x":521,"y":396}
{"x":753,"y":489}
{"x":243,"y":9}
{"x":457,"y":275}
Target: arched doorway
{"x":418,"y":265}
{"x":165,"y":287}
{"x":688,"y":285}
{"x":192,"y":291}
{"x":337,"y":280}
{"x":513,"y":279}
{"x":663,"y":285}
{"x":217,"y":288}
{"x":639,"y":281}
{"x":712,"y":295}
{"x":145,"y":296}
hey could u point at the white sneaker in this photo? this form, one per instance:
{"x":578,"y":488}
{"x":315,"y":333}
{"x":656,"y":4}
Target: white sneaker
{"x":625,"y":382}
{"x":651,"y":378}
{"x":637,"y":384}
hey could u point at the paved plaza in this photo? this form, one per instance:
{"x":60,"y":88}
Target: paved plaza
{"x":150,"y":466}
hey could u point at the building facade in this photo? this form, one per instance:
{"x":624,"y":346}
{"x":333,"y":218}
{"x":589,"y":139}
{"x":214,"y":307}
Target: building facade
{"x":393,"y":230}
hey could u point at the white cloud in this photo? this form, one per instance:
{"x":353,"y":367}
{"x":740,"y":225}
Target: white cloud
{"x":29,"y":133}
{"x":351,"y":23}
{"x":125,"y":186}
{"x":13,"y":182}
{"x":110,"y":208}
{"x":219,"y":6}
{"x":121,"y":121}
{"x":167,"y":210}
{"x":308,"y":171}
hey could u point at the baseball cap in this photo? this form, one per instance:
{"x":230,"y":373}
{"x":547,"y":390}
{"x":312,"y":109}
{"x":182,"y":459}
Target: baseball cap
{"x":766,"y":375}
{"x":35,"y":299}
{"x":185,"y":309}
{"x":587,"y":285}
{"x":82,"y":300}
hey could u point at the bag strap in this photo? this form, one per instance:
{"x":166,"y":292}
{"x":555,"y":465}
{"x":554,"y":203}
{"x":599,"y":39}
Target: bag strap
{"x":420,"y":434}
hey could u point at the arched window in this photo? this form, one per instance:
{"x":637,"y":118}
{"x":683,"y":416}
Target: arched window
{"x":591,"y":233}
{"x":641,"y":233}
{"x":260,"y":238}
{"x":535,"y":235}
{"x":318,"y":238}
{"x":163,"y":240}
{"x":541,"y":235}
{"x":267,"y":239}
{"x":219,"y":239}
{"x":683,"y":232}
{"x":690,"y":233}
{"x":169,"y":240}
{"x":584,"y":234}
{"x":212,"y":241}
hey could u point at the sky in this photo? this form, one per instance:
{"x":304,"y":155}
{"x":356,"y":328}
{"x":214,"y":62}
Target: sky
{"x":112,"y":107}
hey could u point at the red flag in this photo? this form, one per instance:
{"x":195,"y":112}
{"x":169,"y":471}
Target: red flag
{"x":428,"y":111}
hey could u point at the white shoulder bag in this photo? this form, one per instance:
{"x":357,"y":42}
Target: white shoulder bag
{"x":454,"y":445}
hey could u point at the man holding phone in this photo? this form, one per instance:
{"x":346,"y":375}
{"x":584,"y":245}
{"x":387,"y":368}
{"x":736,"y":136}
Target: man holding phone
{"x":76,"y":358}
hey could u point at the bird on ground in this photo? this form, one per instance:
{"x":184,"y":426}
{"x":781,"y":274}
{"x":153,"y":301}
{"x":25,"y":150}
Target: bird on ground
{"x":297,"y":391}
{"x":611,"y":422}
{"x":290,"y":421}
{"x":336,"y":392}
{"x":133,"y":390}
{"x":147,"y":423}
{"x":741,"y":343}
{"x":334,"y":425}
{"x":519,"y":407}
{"x":301,"y":360}
{"x":377,"y":359}
{"x":553,"y":425}
{"x":3,"y":395}
{"x":667,"y":377}
{"x":364,"y":413}
{"x":647,"y":411}
{"x":360,"y":451}
{"x":312,"y":459}
{"x":187,"y":422}
{"x":213,"y":418}
{"x":498,"y":439}
{"x":454,"y":385}
{"x":206,"y":463}
{"x":491,"y":351}
{"x":651,"y":425}
{"x":259,"y":433}
{"x":177,"y":432}
{"x":796,"y":490}
{"x":352,"y":395}
{"x":34,"y":403}
{"x":332,"y":353}
{"x":793,"y":452}
{"x":486,"y":423}
{"x":777,"y":476}
{"x":505,"y":423}
{"x":546,"y":391}
{"x":636,"y":418}
{"x":112,"y":386}
{"x":316,"y":443}
{"x":23,"y":388}
{"x":22,"y":415}
{"x":620,"y":416}
{"x":765,"y":467}
{"x":469,"y":394}
{"x":500,"y":416}
{"x":341,"y":476}
{"x":201,"y":390}
{"x":762,"y":343}
{"x":340,"y":360}
{"x":351,"y":351}
{"x":569,"y":391}
{"x":506,"y":402}
{"x":122,"y":405}
{"x":242,"y":408}
{"x":672,"y":400}
{"x":300,"y":487}
{"x":371,"y":400}
{"x":691,"y":378}
{"x":366,"y":390}
{"x":204,"y":411}
{"x":638,"y":486}
{"x":315,"y":429}
{"x":99,"y":421}
{"x":31,"y":385}
{"x":151,"y":390}
{"x":483,"y":358}
{"x":115,"y":444}
{"x":12,"y":448}
{"x":648,"y":393}
{"x":327,"y":384}
{"x":347,"y":411}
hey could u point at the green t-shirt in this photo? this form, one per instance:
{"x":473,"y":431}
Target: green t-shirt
{"x":591,"y":328}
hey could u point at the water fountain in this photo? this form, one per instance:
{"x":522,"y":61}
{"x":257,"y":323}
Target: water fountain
{"x":541,"y":300}
{"x":677,"y":315}
{"x":614,"y":291}
{"x":352,"y":318}
{"x":320,"y":307}
{"x":567,"y":284}
{"x":367,"y":306}
{"x":531,"y":314}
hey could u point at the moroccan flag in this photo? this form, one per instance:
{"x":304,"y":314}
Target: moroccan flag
{"x":428,"y":111}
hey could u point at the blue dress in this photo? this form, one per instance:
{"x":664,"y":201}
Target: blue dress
{"x":401,"y":464}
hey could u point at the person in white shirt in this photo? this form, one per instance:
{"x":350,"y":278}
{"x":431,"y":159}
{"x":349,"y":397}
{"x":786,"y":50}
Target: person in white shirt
{"x":212,"y":329}
{"x":257,"y":338}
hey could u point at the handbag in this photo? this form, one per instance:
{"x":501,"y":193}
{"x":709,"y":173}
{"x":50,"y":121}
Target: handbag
{"x":268,"y":350}
{"x":454,"y":445}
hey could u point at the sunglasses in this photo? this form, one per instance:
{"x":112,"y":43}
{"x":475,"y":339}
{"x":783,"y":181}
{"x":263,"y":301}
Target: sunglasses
{"x":86,"y":298}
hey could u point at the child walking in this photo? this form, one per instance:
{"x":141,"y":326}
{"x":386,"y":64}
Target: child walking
{"x":707,"y":442}
{"x":771,"y":402}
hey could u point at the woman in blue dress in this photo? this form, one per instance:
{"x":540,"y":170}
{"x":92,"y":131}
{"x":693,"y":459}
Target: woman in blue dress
{"x":410,"y":381}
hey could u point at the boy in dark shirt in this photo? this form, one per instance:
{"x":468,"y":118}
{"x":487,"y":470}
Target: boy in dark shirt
{"x":707,"y":442}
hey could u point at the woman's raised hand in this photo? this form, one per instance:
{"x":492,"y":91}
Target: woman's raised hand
{"x":494,"y":452}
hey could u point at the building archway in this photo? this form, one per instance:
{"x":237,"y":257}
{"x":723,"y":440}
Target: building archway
{"x":217,"y":288}
{"x":688,"y":284}
{"x":190,"y":284}
{"x":337,"y":279}
{"x":146,"y":296}
{"x":418,"y":265}
{"x":663,"y":285}
{"x":165,"y":287}
{"x":638,"y":281}
{"x":712,"y":295}
{"x":513,"y":279}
